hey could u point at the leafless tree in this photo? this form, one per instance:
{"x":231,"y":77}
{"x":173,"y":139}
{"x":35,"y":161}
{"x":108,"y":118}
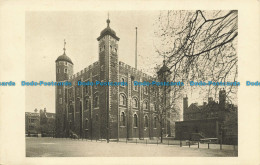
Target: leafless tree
{"x":168,"y":110}
{"x":200,"y":46}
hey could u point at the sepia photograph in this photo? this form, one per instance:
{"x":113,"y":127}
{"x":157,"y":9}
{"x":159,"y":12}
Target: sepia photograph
{"x":131,"y":83}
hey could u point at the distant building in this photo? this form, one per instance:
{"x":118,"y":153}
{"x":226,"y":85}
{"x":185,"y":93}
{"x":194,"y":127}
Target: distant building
{"x":39,"y":123}
{"x":47,"y":123}
{"x":32,"y":123}
{"x":210,"y":120}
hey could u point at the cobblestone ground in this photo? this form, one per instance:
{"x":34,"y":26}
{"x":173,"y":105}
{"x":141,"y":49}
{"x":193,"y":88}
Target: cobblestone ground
{"x":57,"y":147}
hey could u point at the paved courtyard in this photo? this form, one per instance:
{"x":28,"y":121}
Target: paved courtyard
{"x":57,"y":147}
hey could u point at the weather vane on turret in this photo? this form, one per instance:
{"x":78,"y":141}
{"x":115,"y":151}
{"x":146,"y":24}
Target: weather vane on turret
{"x":64,"y":49}
{"x":108,"y":20}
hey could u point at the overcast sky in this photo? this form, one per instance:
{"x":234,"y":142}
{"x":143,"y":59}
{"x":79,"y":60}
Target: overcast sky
{"x":45,"y":32}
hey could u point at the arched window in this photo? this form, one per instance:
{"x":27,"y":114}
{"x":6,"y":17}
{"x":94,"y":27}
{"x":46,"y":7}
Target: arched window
{"x":146,"y":121}
{"x":122,"y":119}
{"x":96,"y":100}
{"x":110,"y":46}
{"x":122,"y":99}
{"x":135,"y":120}
{"x":155,"y":122}
{"x":145,"y":105}
{"x":115,"y":49}
{"x":135,"y":103}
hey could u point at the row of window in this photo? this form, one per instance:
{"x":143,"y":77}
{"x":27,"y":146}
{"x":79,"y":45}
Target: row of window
{"x":135,"y":121}
{"x":65,"y":70}
{"x":206,"y":115}
{"x":122,"y":102}
{"x":104,"y":47}
{"x":87,"y":91}
{"x":61,"y":63}
{"x":32,"y":120}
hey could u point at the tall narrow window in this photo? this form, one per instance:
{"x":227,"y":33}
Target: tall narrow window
{"x":86,"y":104}
{"x":86,"y":89}
{"x":122,"y":99}
{"x":96,"y":102}
{"x":145,"y":105}
{"x":60,"y":101}
{"x":59,"y":91}
{"x":135,"y":103}
{"x":71,"y":109}
{"x":122,"y":119}
{"x":145,"y":90}
{"x":65,"y":70}
{"x":146,"y":121}
{"x":86,"y":124}
{"x":58,"y":70}
{"x":135,"y":120}
{"x":155,"y":122}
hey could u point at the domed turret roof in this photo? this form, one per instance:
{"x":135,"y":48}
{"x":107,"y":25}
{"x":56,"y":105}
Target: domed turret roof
{"x":164,"y":68}
{"x":64,"y":57}
{"x":108,"y":31}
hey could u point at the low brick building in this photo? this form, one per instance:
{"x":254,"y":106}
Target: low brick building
{"x":40,"y":123}
{"x":32,"y":123}
{"x":210,"y":120}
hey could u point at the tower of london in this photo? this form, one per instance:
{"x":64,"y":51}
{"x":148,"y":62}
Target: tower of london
{"x":108,"y":112}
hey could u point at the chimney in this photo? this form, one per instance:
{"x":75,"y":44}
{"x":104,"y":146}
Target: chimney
{"x":185,"y":106}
